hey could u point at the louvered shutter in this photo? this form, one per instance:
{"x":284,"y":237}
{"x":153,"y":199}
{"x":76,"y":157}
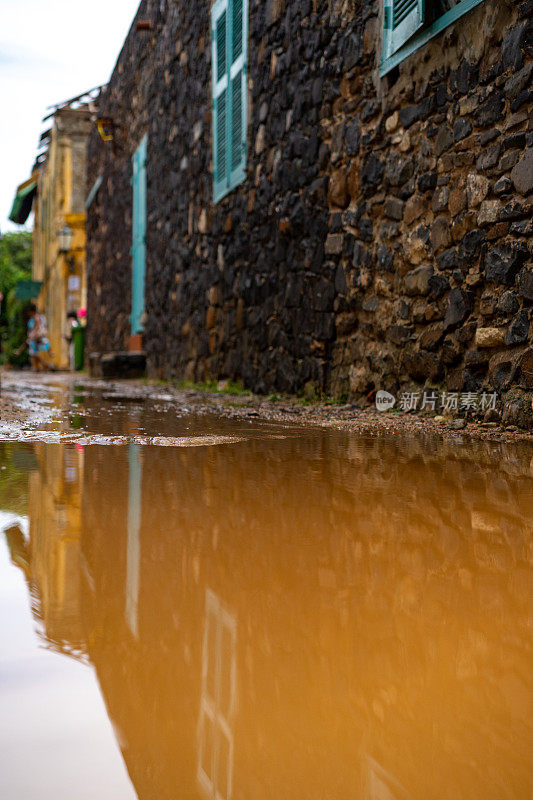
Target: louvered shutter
{"x":229,"y":28}
{"x":237,"y":133}
{"x":220,"y":42}
{"x":402,"y":19}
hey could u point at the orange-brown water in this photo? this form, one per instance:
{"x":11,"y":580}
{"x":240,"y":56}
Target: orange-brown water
{"x":281,"y":614}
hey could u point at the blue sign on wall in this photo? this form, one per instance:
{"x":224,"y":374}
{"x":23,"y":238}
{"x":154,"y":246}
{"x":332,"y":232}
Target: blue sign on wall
{"x":138,"y":250}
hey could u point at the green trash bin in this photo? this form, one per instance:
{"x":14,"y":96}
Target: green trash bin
{"x":78,"y":338}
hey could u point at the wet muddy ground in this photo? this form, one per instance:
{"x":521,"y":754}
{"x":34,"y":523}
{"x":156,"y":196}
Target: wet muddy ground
{"x":223,"y":597}
{"x":36,"y":406}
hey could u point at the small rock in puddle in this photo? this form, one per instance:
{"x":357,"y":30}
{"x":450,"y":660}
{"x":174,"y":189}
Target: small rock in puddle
{"x":458,"y":424}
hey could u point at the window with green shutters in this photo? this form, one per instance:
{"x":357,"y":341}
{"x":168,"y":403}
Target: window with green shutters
{"x":402,"y":19}
{"x":409,"y":24}
{"x":229,"y":34}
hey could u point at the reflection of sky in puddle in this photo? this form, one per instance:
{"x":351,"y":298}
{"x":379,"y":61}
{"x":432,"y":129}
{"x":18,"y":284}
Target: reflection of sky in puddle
{"x":56,"y":740}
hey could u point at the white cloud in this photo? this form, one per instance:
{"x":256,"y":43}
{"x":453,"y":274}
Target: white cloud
{"x":49,"y":51}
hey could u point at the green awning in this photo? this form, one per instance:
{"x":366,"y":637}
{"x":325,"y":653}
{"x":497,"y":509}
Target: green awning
{"x":23,"y":202}
{"x":27,"y":290}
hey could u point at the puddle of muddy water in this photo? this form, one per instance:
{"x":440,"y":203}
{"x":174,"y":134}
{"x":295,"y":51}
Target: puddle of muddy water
{"x":92,"y":413}
{"x":279,"y":613}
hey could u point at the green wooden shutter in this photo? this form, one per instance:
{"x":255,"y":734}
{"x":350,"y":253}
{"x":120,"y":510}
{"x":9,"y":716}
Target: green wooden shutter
{"x":401,"y":20}
{"x":138,"y":238}
{"x":219,"y":48}
{"x":239,"y":40}
{"x":229,"y":26}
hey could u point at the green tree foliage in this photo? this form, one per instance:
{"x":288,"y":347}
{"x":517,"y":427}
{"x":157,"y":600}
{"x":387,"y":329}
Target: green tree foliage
{"x":15,"y":266}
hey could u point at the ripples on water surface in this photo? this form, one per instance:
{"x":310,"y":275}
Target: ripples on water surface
{"x":281,"y":613}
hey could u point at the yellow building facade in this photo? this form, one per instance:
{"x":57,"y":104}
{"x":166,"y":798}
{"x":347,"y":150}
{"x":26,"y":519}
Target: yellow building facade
{"x":60,"y":202}
{"x":54,"y":510}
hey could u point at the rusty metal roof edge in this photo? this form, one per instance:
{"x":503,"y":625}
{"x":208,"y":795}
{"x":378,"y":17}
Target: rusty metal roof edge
{"x":67,"y":103}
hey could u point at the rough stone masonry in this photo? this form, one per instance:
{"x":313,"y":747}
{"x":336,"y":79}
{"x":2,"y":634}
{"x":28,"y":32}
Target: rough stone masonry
{"x":382,"y":238}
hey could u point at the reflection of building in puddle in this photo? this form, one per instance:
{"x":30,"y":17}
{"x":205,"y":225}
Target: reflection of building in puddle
{"x":54,"y":546}
{"x":217,"y":705}
{"x":17,"y":544}
{"x":362,"y":612}
{"x":380,"y":785}
{"x":133,"y":554}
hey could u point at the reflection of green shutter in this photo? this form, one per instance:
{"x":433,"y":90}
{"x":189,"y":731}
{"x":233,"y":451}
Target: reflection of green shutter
{"x":229,"y":26}
{"x":138,"y":250}
{"x":401,"y":20}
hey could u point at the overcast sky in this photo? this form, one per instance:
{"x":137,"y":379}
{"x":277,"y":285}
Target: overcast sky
{"x":50,"y":50}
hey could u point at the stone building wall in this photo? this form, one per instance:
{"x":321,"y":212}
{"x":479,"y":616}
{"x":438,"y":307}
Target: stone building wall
{"x":383,"y":236}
